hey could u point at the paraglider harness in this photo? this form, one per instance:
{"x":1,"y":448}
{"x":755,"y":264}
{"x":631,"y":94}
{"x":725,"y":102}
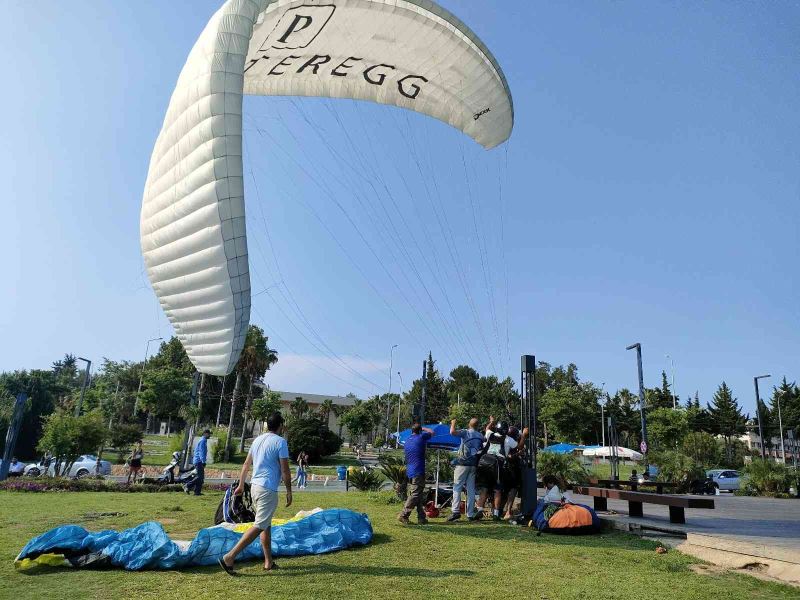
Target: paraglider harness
{"x":496,"y":462}
{"x":235,"y":509}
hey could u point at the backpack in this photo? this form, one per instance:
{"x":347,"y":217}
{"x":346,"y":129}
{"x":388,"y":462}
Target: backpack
{"x":464,"y":456}
{"x":235,"y":509}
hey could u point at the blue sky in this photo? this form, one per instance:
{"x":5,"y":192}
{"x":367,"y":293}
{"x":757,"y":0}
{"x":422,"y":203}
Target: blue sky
{"x":649,"y":193}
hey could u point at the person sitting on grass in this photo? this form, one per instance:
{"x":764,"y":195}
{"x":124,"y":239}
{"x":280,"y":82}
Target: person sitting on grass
{"x":269,"y":457}
{"x":553,"y":493}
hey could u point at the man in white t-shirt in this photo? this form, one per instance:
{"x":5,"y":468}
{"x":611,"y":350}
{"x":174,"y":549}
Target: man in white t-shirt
{"x":269,"y":457}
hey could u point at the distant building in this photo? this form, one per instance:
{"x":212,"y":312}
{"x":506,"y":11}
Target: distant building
{"x":314,"y":402}
{"x":772,"y":450}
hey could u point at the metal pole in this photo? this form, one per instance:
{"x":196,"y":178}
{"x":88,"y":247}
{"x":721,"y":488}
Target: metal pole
{"x":221,"y":396}
{"x":84,"y":386}
{"x":603,"y":414}
{"x":758,"y":414}
{"x":189,"y":435}
{"x":388,"y":404}
{"x":642,"y":407}
{"x":141,"y":376}
{"x":399,"y":399}
{"x":780,"y":423}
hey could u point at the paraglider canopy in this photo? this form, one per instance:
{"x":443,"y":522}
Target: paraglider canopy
{"x":411,"y":54}
{"x":441,"y":439}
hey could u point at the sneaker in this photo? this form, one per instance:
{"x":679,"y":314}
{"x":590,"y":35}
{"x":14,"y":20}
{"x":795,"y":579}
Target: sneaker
{"x":477,"y":517}
{"x":454,"y":517}
{"x":403,"y":519}
{"x":496,"y":518}
{"x":423,"y":521}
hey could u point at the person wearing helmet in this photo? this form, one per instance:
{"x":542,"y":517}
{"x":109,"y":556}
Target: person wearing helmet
{"x":500,"y":444}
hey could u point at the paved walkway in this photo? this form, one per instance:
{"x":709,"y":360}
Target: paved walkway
{"x":759,"y":521}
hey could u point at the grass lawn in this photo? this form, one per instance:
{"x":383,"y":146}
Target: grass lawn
{"x":438,"y":561}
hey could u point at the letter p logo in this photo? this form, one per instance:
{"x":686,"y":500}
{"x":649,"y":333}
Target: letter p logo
{"x":298,"y":27}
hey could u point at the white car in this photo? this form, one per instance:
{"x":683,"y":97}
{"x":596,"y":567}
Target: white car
{"x":84,"y":466}
{"x":724,"y":479}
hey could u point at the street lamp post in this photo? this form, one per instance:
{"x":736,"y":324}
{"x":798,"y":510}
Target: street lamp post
{"x":141,"y":375}
{"x":758,"y":413}
{"x":388,"y":406}
{"x":603,"y":414}
{"x":399,"y":399}
{"x":643,"y":445}
{"x":674,"y":394}
{"x":84,"y":386}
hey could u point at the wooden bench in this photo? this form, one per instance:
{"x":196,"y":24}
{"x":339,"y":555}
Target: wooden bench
{"x":635,"y":485}
{"x":635,"y":500}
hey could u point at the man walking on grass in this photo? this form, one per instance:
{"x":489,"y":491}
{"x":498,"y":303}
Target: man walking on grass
{"x":464,"y":466}
{"x":415,"y":449}
{"x":269,"y":457}
{"x":200,"y":459}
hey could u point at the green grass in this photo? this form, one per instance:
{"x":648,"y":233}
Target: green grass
{"x":438,"y":561}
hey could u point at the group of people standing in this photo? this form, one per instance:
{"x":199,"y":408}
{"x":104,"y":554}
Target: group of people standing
{"x":487,"y":467}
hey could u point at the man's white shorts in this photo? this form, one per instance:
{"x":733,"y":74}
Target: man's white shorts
{"x":265,"y":502}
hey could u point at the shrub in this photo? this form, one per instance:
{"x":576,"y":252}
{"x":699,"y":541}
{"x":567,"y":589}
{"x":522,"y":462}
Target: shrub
{"x":310,"y":434}
{"x":566,"y":468}
{"x":124,"y":436}
{"x":767,"y":478}
{"x":386,"y":498}
{"x":366,"y":481}
{"x":175,"y":443}
{"x":221,"y":433}
{"x":57,"y":484}
{"x":676,"y":466}
{"x":395,"y":471}
{"x":703,"y":448}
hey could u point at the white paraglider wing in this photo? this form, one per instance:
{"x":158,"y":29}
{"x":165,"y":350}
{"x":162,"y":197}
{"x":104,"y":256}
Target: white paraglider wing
{"x":407,"y":53}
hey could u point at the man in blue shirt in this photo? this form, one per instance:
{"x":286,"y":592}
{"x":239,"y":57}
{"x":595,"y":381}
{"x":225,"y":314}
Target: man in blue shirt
{"x":200,"y":459}
{"x":465,"y":465}
{"x":269,"y":457}
{"x":415,"y":448}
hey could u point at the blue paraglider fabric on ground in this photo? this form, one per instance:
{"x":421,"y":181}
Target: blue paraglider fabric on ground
{"x":148,"y":546}
{"x":574,"y":518}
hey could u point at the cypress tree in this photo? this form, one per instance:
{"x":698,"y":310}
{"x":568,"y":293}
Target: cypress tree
{"x":726,"y":416}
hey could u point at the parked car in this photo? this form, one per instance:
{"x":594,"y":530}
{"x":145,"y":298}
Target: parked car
{"x":724,"y":479}
{"x":84,"y":466}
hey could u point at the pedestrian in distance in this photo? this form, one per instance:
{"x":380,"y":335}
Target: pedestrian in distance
{"x":200,"y":459}
{"x":464,"y":466}
{"x":135,"y":461}
{"x":269,"y":458}
{"x":415,"y":450}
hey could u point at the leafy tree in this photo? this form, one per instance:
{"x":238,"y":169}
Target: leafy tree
{"x":623,"y":406}
{"x":703,"y":448}
{"x":66,"y":437}
{"x":124,"y":436}
{"x":339,"y":411}
{"x":697,"y":417}
{"x":310,"y":434}
{"x":164,"y":391}
{"x":572,"y":413}
{"x":727,"y":419}
{"x":666,"y":428}
{"x":268,"y":403}
{"x":789,"y":396}
{"x":359,"y":420}
{"x":43,"y":390}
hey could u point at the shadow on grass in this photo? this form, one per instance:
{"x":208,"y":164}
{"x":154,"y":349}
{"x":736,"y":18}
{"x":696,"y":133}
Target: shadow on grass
{"x":506,"y":532}
{"x":374,"y":571}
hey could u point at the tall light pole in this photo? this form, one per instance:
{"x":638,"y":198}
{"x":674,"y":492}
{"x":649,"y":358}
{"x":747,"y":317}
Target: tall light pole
{"x":388,"y":406}
{"x":643,"y":445}
{"x":84,"y":386}
{"x":603,"y":414}
{"x":399,"y":398}
{"x":141,"y":375}
{"x":674,"y":395}
{"x":780,"y":423}
{"x":758,"y":412}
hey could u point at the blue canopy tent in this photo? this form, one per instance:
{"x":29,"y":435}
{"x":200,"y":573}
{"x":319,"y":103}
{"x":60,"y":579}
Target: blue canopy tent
{"x":441,"y":440}
{"x":562,"y":448}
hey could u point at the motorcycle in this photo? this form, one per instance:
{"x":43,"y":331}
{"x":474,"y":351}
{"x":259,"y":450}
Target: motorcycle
{"x":174,"y":473}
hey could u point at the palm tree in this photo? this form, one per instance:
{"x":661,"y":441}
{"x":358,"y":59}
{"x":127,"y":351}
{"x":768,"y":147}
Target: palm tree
{"x":325,"y":410}
{"x":338,"y":411}
{"x":256,"y":359}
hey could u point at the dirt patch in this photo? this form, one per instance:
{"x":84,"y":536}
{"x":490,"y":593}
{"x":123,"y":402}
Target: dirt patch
{"x":708,"y":569}
{"x":167,"y":521}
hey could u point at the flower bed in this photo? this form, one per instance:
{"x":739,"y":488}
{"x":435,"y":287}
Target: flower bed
{"x":49,"y":484}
